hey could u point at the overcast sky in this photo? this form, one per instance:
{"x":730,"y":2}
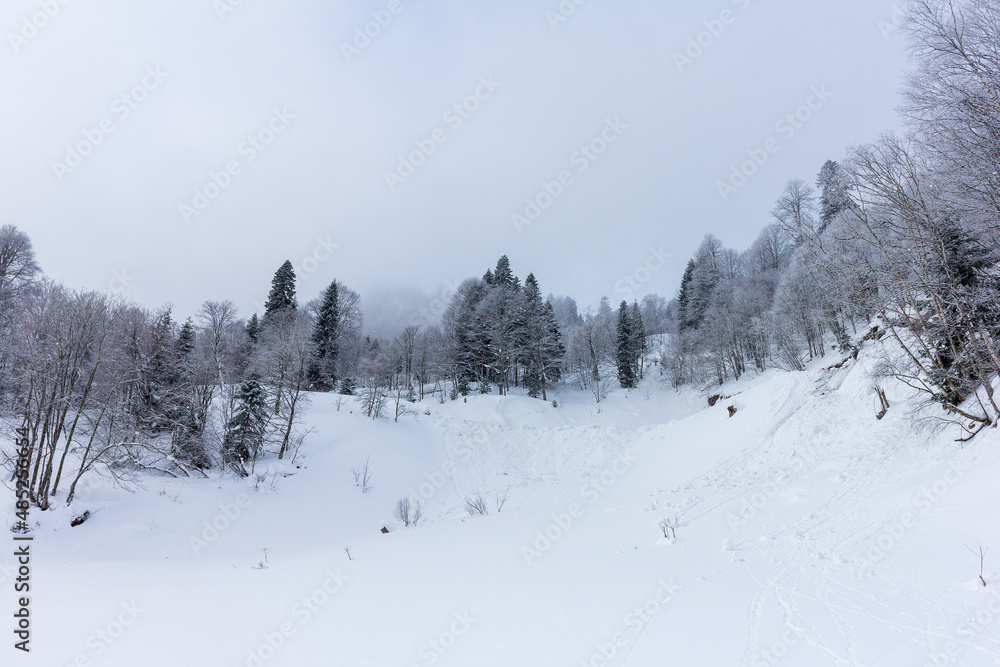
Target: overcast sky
{"x":184,"y":85}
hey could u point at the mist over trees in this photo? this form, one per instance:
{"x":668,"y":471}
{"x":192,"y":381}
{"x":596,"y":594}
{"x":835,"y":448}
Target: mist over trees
{"x":108,"y":387}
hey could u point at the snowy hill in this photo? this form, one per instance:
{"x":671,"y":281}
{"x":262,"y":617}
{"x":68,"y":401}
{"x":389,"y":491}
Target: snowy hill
{"x":807,"y":533}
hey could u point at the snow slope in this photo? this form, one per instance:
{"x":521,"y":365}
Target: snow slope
{"x":808,"y":533}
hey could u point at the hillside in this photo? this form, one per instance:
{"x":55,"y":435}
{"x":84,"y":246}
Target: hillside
{"x":807,"y":533}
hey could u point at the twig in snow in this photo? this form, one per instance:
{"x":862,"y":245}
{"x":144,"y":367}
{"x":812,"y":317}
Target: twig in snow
{"x":982,"y":560}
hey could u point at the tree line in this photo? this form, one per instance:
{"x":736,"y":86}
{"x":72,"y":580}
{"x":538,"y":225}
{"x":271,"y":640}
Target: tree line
{"x":107,"y":386}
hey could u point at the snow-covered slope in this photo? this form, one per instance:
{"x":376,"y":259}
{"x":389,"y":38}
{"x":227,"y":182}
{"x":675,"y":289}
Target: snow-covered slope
{"x":807,"y":533}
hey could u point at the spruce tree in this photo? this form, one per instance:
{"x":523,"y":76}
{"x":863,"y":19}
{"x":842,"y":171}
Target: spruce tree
{"x":553,"y":349}
{"x":540,"y":343}
{"x":253,"y":329}
{"x":495,"y":333}
{"x":185,"y":338}
{"x":502,"y":275}
{"x":187,"y":417}
{"x":624,"y":348}
{"x":834,"y":196}
{"x":155,"y":379}
{"x":960,"y":267}
{"x":704,"y":279}
{"x":684,"y":320}
{"x":638,"y":339}
{"x":244,"y":435}
{"x":323,"y":369}
{"x":469,"y":355}
{"x":282,"y":296}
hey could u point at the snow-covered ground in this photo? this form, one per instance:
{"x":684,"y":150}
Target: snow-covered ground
{"x":807,"y":533}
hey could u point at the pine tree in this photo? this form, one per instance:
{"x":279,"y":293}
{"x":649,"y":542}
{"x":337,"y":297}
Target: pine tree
{"x":244,"y":436}
{"x":624,"y":348}
{"x":282,"y":296}
{"x":323,"y":369}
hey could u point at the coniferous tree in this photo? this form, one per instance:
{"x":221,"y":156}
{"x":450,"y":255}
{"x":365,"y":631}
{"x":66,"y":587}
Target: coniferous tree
{"x":248,"y":344}
{"x":189,"y":401}
{"x":638,"y":339}
{"x":154,"y":382}
{"x":185,"y":338}
{"x":834,"y":196}
{"x":684,"y":320}
{"x":253,"y":329}
{"x":496,"y":332}
{"x":323,"y":369}
{"x":955,"y":281}
{"x":244,"y":435}
{"x":282,"y":296}
{"x":460,"y":324}
{"x":554,"y":350}
{"x":539,"y":339}
{"x":502,"y":275}
{"x":624,"y":348}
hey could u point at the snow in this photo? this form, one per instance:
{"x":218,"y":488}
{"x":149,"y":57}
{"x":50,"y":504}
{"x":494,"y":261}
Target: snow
{"x":808,"y":533}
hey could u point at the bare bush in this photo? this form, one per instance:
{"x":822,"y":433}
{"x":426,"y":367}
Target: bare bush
{"x":500,"y":497}
{"x":600,"y":388}
{"x":476,"y":505}
{"x":362,"y":474}
{"x":408,"y":512}
{"x":418,"y":513}
{"x":669,"y":528}
{"x":404,"y":509}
